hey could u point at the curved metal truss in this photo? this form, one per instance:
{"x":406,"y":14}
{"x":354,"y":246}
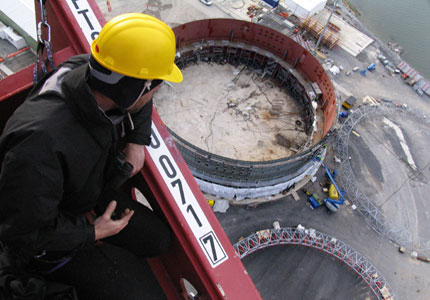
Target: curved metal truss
{"x":323,"y":242}
{"x":372,"y":214}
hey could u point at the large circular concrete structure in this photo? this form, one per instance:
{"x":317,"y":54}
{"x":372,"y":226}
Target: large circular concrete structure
{"x":275,"y":64}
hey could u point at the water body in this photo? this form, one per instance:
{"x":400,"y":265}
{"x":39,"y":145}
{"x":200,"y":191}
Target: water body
{"x":406,"y":22}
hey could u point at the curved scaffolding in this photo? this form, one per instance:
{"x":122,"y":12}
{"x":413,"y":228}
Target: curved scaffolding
{"x":372,"y":214}
{"x":311,"y":238}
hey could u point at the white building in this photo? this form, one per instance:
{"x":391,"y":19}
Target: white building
{"x":7,"y":33}
{"x":21,"y":13}
{"x":304,"y":8}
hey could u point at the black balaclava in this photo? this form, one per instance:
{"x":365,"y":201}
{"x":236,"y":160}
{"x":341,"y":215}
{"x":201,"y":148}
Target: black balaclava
{"x":123,"y":90}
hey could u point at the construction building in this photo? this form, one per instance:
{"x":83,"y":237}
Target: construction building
{"x":304,"y":8}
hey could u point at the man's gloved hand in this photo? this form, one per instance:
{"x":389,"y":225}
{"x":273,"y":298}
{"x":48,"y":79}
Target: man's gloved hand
{"x":135,"y":155}
{"x":105,"y":226}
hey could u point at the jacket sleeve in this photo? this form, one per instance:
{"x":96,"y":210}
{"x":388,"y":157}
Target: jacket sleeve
{"x":142,"y":120}
{"x":31,"y":189}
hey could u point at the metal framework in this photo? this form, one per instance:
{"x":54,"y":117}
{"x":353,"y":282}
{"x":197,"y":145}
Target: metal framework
{"x":323,"y":242}
{"x":372,"y":214}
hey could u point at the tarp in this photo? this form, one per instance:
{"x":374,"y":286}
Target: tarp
{"x":408,"y":70}
{"x":412,"y":73}
{"x":424,"y":86}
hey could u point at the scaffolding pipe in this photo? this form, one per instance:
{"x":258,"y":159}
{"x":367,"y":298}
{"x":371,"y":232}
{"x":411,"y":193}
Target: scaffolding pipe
{"x":325,"y":27}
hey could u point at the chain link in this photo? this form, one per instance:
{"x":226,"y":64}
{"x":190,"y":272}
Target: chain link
{"x":43,"y":44}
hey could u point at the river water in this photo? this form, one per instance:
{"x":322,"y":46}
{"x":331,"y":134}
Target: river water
{"x":406,"y":22}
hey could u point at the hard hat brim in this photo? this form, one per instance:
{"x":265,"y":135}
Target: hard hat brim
{"x":174,"y":76}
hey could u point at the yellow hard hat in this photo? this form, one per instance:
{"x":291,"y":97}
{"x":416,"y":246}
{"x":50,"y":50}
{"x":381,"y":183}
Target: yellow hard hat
{"x":139,"y":46}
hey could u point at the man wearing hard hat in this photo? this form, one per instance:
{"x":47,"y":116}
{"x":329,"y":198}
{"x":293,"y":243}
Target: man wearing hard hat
{"x":60,"y":160}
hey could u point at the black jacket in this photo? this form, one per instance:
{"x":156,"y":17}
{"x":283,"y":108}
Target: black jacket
{"x":54,"y":153}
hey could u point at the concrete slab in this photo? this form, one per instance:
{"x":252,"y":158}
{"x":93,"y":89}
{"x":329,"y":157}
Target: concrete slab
{"x":295,"y":195}
{"x":351,"y":39}
{"x":21,"y":13}
{"x":233,"y":112}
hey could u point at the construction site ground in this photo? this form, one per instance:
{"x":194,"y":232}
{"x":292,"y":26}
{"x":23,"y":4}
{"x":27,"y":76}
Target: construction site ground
{"x":380,"y":163}
{"x":296,"y":272}
{"x":301,"y":273}
{"x":407,"y":276}
{"x":394,"y":174}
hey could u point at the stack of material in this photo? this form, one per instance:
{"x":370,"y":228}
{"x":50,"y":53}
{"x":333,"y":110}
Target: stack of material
{"x":276,"y":107}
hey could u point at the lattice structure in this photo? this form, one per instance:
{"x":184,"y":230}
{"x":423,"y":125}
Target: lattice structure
{"x":323,"y":242}
{"x":373,"y":215}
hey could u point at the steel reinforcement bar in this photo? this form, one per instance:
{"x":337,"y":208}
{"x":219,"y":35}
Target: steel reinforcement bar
{"x":311,"y":238}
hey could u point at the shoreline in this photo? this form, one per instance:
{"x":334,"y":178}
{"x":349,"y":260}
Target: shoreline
{"x":352,"y":8}
{"x":353,"y":14}
{"x":350,"y":11}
